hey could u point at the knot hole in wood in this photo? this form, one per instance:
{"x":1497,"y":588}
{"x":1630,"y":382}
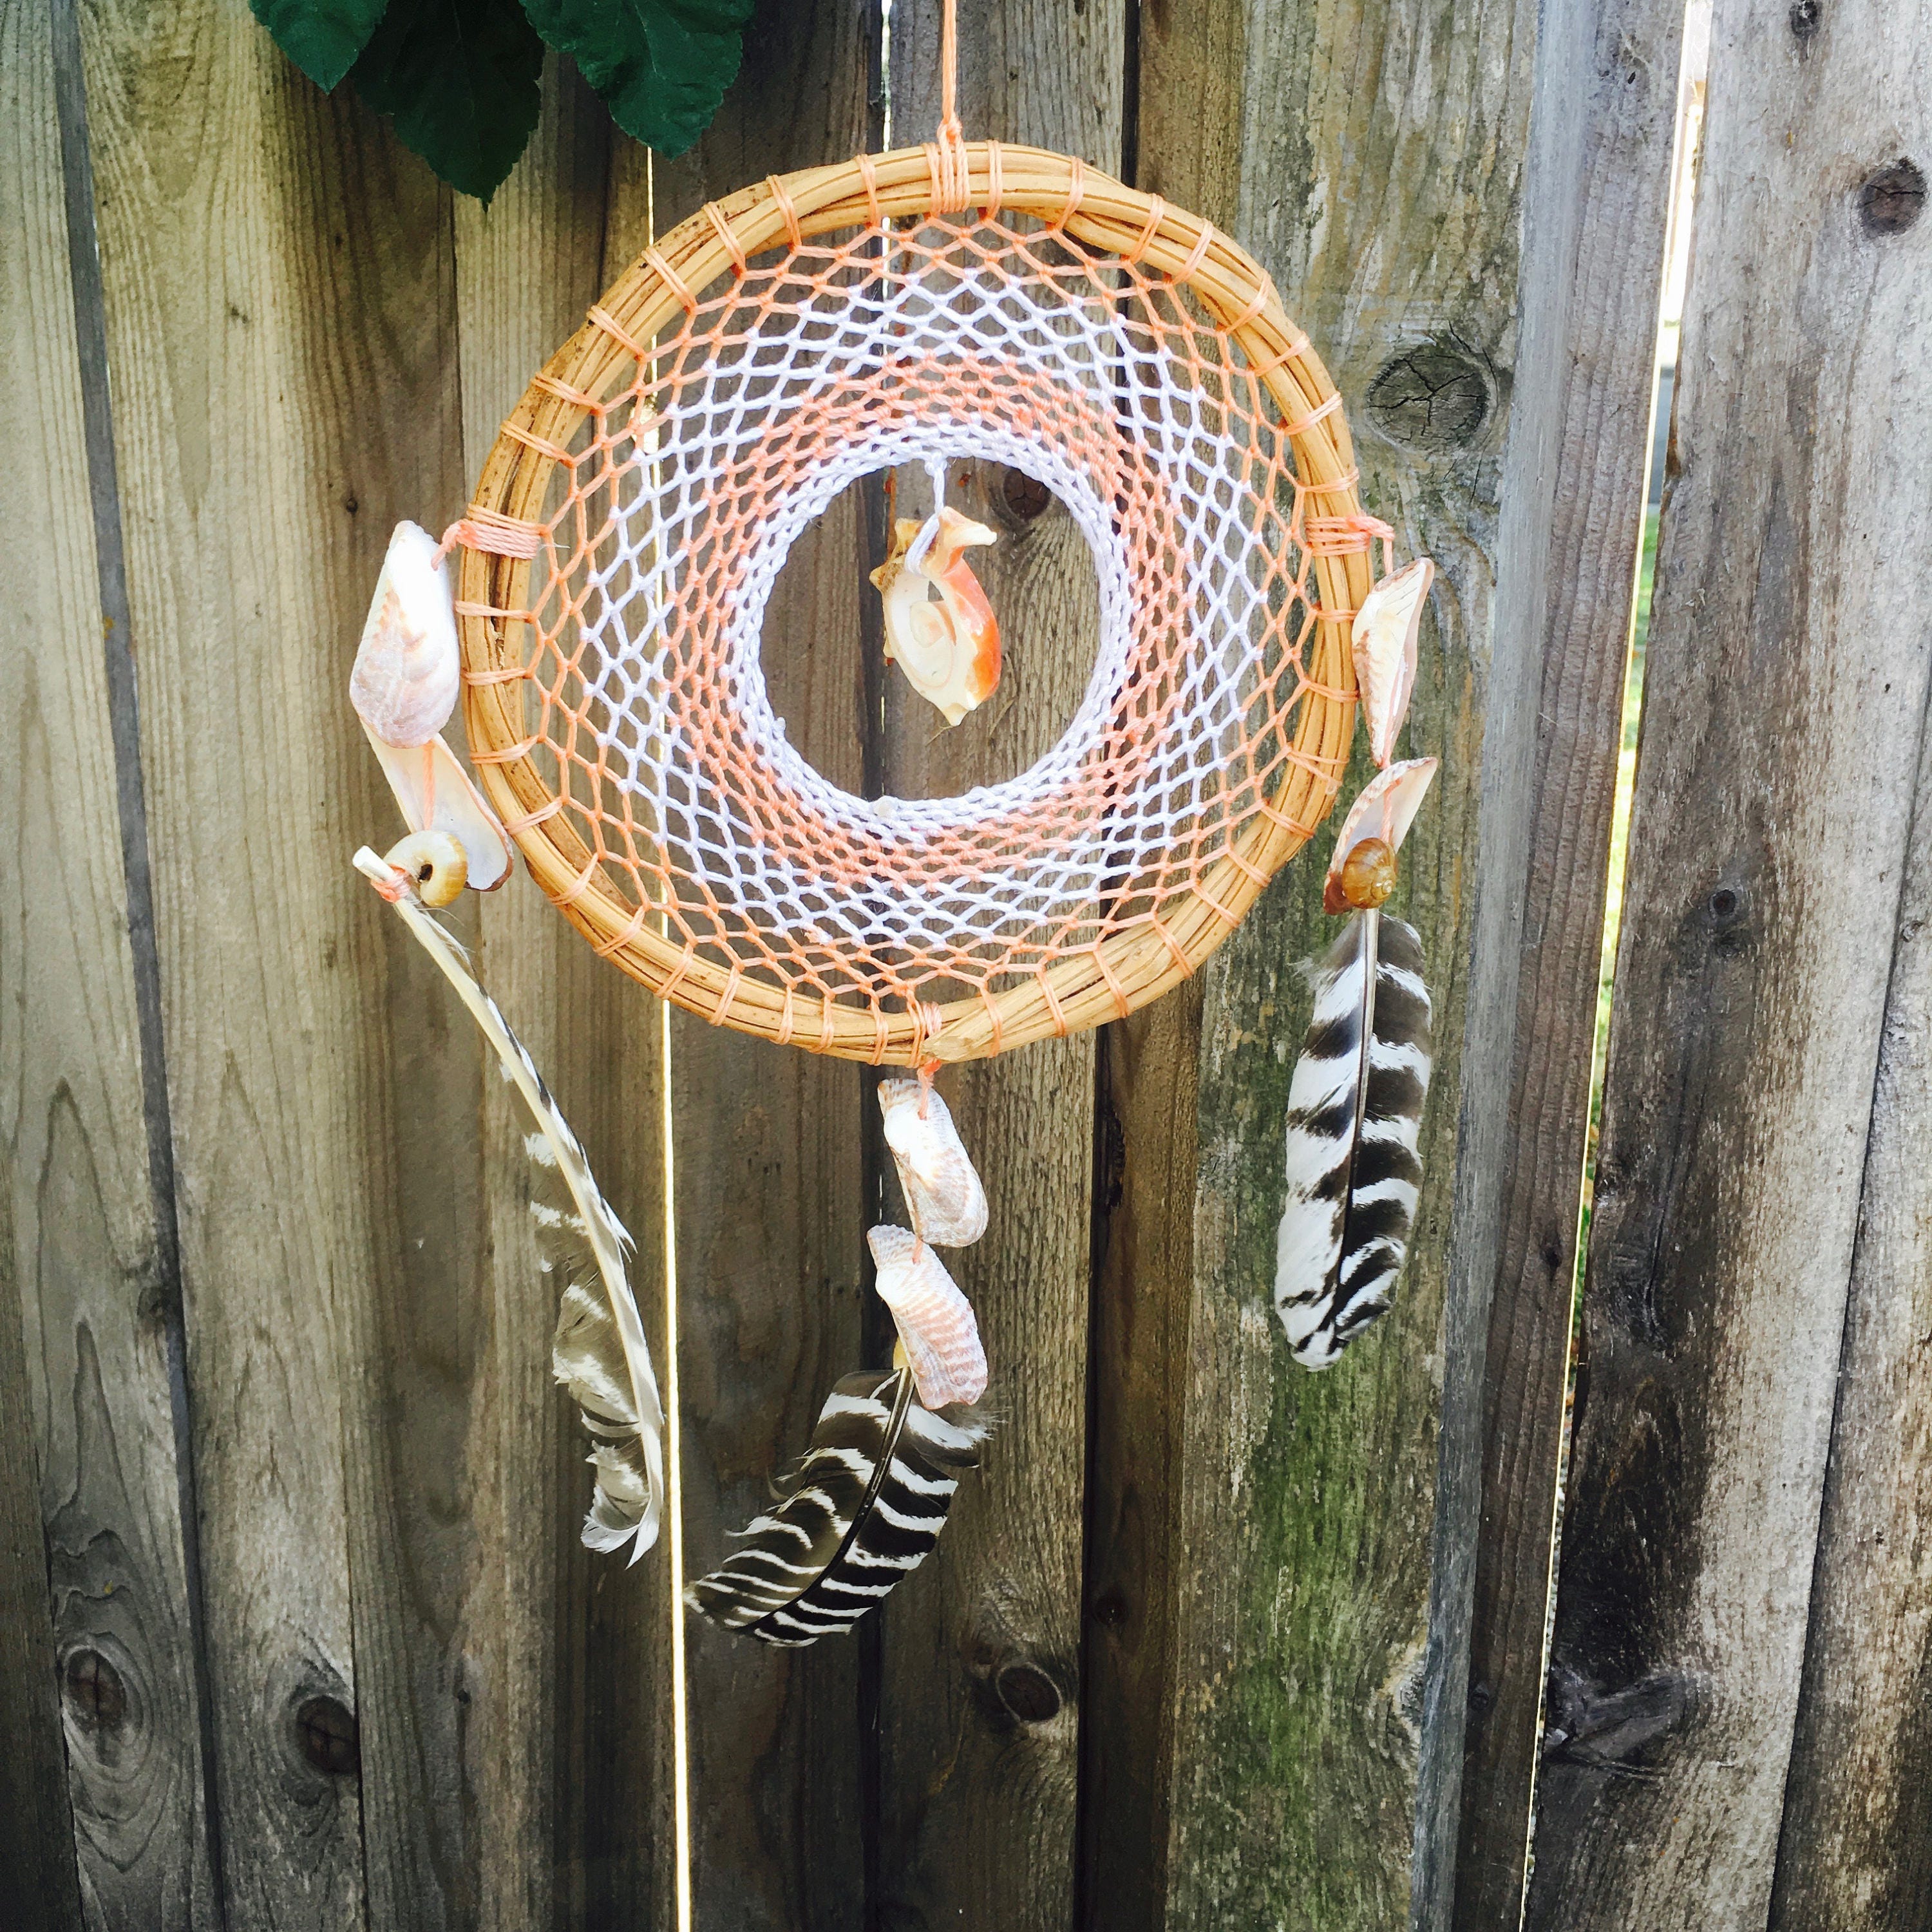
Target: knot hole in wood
{"x":328,"y":1737}
{"x":93,"y":1690}
{"x":1432,"y":398}
{"x":1891,"y":200}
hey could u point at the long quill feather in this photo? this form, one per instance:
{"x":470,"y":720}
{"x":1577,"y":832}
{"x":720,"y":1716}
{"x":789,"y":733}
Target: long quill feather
{"x":600,"y":1353}
{"x":864,"y":1510}
{"x":1354,"y":1126}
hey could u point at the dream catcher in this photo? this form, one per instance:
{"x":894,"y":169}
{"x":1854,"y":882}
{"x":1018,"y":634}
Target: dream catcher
{"x":959,"y":300}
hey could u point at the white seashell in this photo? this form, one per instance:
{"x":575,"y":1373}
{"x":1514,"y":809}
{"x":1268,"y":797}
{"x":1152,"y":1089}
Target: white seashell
{"x":935,"y":1320}
{"x":950,"y":651}
{"x":1385,"y":810}
{"x":436,"y":794}
{"x":408,"y":667}
{"x":1384,"y":641}
{"x":943,"y":1192}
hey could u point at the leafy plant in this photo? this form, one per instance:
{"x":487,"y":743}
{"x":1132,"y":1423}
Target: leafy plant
{"x":459,"y":78}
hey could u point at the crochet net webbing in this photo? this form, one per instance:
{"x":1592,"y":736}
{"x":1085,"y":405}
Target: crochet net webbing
{"x":667,"y":524}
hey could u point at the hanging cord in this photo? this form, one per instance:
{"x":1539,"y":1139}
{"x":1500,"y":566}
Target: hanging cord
{"x":945,"y":156}
{"x":949,"y":129}
{"x":921,"y":546}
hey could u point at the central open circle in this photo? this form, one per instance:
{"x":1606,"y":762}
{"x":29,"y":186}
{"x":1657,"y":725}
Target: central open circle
{"x":976,"y":437}
{"x":852,"y":712}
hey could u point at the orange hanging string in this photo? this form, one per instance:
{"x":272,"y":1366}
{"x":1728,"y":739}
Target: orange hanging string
{"x":950,"y":130}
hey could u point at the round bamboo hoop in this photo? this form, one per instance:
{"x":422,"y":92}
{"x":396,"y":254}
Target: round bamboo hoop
{"x":1127,"y":968}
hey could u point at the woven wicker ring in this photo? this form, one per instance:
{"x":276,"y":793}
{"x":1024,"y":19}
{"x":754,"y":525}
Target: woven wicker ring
{"x":732,"y":381}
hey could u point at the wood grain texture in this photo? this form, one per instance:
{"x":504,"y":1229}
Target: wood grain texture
{"x":1600,"y":192}
{"x":768,"y":1151}
{"x":980,"y":1709}
{"x":1146,"y":1153}
{"x":93,"y":1579}
{"x":570,"y":1770}
{"x":979,"y":1750}
{"x":1372,"y":158}
{"x":281,"y":327}
{"x":1785,"y":691}
{"x":1855,"y":1844}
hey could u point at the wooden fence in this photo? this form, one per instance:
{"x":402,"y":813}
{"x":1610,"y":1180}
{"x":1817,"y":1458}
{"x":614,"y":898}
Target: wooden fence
{"x":295,"y":1630}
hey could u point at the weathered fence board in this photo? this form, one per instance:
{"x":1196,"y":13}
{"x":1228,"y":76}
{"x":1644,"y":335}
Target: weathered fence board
{"x":981,"y":1705}
{"x":1599,"y":194}
{"x":1299,"y":1646}
{"x":569,"y":1653}
{"x":1855,"y":1841}
{"x":768,"y":1142}
{"x":93,"y":1579}
{"x":280,"y":331}
{"x":1786,"y":692}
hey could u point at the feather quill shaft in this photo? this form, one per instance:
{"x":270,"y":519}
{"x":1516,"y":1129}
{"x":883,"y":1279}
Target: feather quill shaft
{"x":600,"y":1354}
{"x":864,"y":1510}
{"x":1354,"y":1123}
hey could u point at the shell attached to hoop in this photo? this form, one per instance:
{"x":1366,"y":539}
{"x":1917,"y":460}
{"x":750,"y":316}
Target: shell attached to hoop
{"x":935,"y":1322}
{"x":1384,"y":640}
{"x":1384,"y":810}
{"x":408,"y":671}
{"x":408,"y":667}
{"x":943,"y":1192}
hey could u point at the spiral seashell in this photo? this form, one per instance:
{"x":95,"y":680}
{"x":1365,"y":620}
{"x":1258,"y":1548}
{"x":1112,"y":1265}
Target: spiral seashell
{"x":1383,"y":640}
{"x":935,"y":1320}
{"x":942,"y":1192}
{"x":950,"y":651}
{"x":1368,"y":874}
{"x":408,"y":667}
{"x":1384,"y":809}
{"x":437,"y":864}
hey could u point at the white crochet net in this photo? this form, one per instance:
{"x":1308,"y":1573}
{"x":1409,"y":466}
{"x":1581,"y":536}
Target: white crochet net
{"x":645,"y":699}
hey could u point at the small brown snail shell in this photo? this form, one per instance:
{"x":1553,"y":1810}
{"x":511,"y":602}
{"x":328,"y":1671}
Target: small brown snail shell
{"x":438,"y":867}
{"x":1368,"y":874}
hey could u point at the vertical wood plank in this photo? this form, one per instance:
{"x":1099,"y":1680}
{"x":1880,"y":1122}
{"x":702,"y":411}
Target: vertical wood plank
{"x":1372,"y":157}
{"x":93,"y":1573}
{"x":280,"y":320}
{"x":572,"y":1766}
{"x":1855,"y":1844}
{"x":1786,"y":691}
{"x":981,"y":1667}
{"x":1146,"y":1155}
{"x":1605,"y":111}
{"x":767,"y":1143}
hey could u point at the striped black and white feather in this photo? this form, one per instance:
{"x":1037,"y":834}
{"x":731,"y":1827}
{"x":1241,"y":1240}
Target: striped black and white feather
{"x":864,"y":1510}
{"x":599,"y":1354}
{"x":1355,"y":1125}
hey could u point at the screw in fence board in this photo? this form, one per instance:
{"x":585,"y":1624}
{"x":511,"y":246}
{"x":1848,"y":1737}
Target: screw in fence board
{"x":771,"y":1212}
{"x":1601,"y":173}
{"x":1742,"y":1147}
{"x":94,"y":1576}
{"x":981,"y":1711}
{"x":1372,"y":161}
{"x":282,"y":336}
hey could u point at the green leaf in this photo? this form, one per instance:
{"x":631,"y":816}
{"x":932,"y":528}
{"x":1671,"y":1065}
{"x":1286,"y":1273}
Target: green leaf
{"x":461,"y":78}
{"x":662,"y":66}
{"x":322,"y":37}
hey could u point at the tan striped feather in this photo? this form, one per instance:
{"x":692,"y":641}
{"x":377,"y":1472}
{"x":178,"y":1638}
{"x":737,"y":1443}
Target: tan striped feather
{"x":600,"y":1353}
